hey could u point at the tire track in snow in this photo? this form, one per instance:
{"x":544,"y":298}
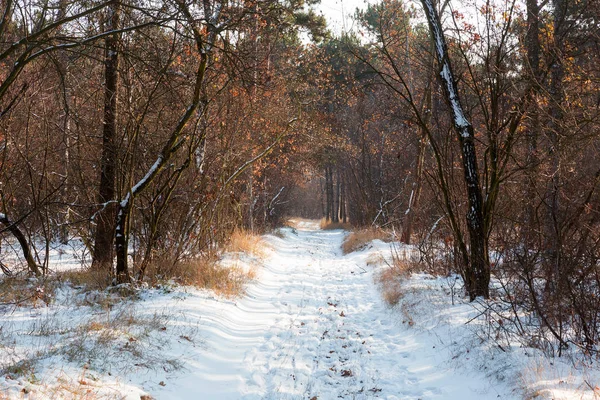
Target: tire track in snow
{"x":330,"y":333}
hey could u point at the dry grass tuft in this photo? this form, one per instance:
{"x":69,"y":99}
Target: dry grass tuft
{"x":390,"y":283}
{"x":242,"y":241}
{"x":227,"y":281}
{"x":19,"y":291}
{"x":100,"y":339}
{"x":206,"y":272}
{"x":90,"y":279}
{"x":83,"y":387}
{"x":375,"y":260}
{"x":328,"y":225}
{"x":37,"y":292}
{"x":357,"y":240}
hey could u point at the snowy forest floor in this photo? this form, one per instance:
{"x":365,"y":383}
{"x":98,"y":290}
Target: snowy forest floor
{"x":312,"y":325}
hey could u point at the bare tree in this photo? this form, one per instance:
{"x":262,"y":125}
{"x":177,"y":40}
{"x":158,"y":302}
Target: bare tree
{"x":477,"y":271}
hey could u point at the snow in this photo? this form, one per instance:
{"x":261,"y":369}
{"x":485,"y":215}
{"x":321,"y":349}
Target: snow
{"x":445,"y":73}
{"x":312,"y":325}
{"x":73,"y":255}
{"x":151,"y":172}
{"x":459,"y":117}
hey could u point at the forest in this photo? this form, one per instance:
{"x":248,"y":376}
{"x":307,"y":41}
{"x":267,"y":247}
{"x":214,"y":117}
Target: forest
{"x":151,"y":131}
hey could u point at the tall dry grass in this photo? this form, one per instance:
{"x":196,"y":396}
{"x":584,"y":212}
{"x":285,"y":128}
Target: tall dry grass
{"x":390,"y":281}
{"x":242,"y":241}
{"x":357,"y":240}
{"x":206,"y":272}
{"x":27,"y":292}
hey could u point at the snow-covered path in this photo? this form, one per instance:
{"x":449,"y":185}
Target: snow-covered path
{"x":328,"y":338}
{"x":314,"y":326}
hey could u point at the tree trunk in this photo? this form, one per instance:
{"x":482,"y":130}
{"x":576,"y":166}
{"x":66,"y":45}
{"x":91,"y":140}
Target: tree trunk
{"x":477,"y":273}
{"x":557,"y":71}
{"x":343,"y":199}
{"x":251,"y":200}
{"x":331,"y":195}
{"x":323,"y":196}
{"x":204,"y":46}
{"x":336,"y":215}
{"x":328,"y":198}
{"x":413,"y":202}
{"x":27,"y":255}
{"x":415,"y":194}
{"x":103,"y":247}
{"x":532,"y":41}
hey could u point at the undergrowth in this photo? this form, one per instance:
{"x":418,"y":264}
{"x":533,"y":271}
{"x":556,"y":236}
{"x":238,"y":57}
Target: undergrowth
{"x":357,"y":240}
{"x":207,"y":273}
{"x":390,"y":281}
{"x":328,"y":225}
{"x":242,"y":241}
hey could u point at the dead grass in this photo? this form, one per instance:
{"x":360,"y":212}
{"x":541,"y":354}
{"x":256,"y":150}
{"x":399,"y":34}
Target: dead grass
{"x":25,"y":367}
{"x":357,"y":240}
{"x":206,"y":272}
{"x":118,"y":338}
{"x":90,"y":279}
{"x":328,"y":225}
{"x":226,"y":281}
{"x":19,"y":291}
{"x":242,"y":241}
{"x":34,"y":292}
{"x":390,"y":283}
{"x":111,"y":338}
{"x":82,"y":388}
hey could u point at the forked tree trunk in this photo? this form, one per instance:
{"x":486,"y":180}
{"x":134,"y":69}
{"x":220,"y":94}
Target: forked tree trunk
{"x":477,"y":272}
{"x":204,"y":48}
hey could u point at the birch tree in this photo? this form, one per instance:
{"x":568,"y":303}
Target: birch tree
{"x":477,"y":266}
{"x":204,"y":44}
